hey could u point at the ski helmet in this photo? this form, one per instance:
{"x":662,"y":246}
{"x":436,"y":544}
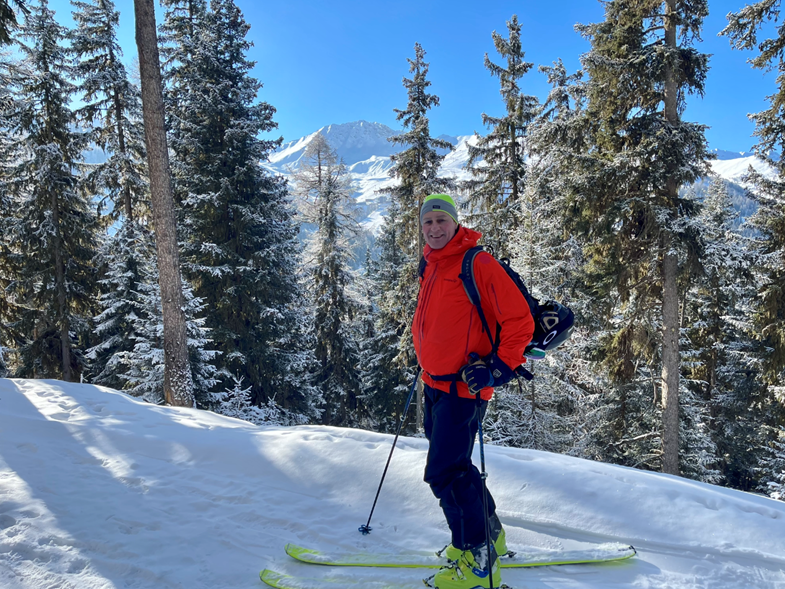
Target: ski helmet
{"x":553,"y":326}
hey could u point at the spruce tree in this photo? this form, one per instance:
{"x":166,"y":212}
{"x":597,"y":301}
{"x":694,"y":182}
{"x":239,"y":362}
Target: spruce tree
{"x":416,"y":167}
{"x":10,"y":310}
{"x":387,"y":370}
{"x":112,"y":110}
{"x":365,"y":328}
{"x":743,"y":31}
{"x":544,"y":413}
{"x":50,"y":238}
{"x":625,"y":204}
{"x":322,"y":182}
{"x":714,"y":340}
{"x":416,"y":170}
{"x":238,"y":228}
{"x":142,"y":369}
{"x":124,"y":257}
{"x":497,"y":161}
{"x":8,"y":21}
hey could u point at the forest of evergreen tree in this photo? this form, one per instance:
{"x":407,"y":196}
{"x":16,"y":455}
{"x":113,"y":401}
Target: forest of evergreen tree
{"x":600,"y":194}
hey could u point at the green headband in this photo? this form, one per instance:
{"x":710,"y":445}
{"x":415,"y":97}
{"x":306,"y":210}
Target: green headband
{"x":439,"y":202}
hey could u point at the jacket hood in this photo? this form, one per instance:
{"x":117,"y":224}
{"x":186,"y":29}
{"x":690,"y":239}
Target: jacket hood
{"x":463,"y":240}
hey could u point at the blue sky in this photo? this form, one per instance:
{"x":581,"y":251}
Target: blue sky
{"x":324,"y":62}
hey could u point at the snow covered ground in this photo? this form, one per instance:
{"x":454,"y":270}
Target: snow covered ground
{"x":99,"y":490}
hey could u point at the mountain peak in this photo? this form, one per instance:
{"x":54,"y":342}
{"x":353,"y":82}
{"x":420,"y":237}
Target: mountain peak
{"x":723,"y":155}
{"x":354,"y":142}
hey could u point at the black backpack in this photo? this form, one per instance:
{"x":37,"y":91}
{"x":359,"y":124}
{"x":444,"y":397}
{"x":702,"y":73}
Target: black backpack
{"x":553,"y":322}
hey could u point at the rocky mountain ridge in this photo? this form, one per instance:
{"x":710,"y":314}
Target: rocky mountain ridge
{"x":365,"y":149}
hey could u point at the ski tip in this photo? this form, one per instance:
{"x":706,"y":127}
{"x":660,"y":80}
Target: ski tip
{"x":299,"y":552}
{"x":272,"y":578}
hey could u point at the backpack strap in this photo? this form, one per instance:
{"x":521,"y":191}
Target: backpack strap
{"x":470,"y":286}
{"x":451,"y":378}
{"x":421,"y":267}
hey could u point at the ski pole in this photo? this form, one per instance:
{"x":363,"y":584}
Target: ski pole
{"x":484,"y":476}
{"x":366,"y":529}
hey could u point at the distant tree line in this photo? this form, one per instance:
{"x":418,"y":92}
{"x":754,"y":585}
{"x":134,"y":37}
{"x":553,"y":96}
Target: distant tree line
{"x":600,"y":194}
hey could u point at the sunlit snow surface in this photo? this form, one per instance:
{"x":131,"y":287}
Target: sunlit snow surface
{"x":100,"y":490}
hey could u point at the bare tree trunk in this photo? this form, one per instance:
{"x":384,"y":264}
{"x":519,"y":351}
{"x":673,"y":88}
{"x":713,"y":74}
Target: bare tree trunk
{"x":118,"y":113}
{"x":118,"y":109}
{"x":670,"y":359}
{"x":178,"y":386}
{"x":670,"y":287}
{"x":62,"y":302}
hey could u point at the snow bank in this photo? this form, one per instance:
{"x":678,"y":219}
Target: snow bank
{"x":99,"y":490}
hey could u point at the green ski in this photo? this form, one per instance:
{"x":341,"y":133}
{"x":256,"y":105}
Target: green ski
{"x":521,"y":559}
{"x":281,"y":581}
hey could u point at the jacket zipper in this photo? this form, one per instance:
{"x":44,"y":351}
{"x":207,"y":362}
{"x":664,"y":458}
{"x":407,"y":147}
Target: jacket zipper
{"x":427,"y":300}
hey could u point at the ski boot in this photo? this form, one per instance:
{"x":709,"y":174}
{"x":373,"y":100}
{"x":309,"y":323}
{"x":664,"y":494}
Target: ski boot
{"x":470,"y":571}
{"x":498,"y":537}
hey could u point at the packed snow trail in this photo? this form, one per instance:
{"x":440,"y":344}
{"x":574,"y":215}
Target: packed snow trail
{"x":99,"y":490}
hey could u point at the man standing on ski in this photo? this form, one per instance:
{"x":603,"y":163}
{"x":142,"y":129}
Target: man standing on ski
{"x":460,"y":366}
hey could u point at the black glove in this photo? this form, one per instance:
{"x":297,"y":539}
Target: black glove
{"x":477,"y":375}
{"x":502,"y":374}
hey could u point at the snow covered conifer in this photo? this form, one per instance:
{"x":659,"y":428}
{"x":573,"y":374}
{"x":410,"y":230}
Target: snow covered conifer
{"x":51,"y":235}
{"x":322,"y":182}
{"x":112,"y":110}
{"x":626,"y":203}
{"x":718,"y":355}
{"x":416,"y":167}
{"x":743,"y":30}
{"x":545,"y":413}
{"x":238,"y":228}
{"x":235,"y":402}
{"x":124,"y":256}
{"x":497,"y":160}
{"x":10,"y":310}
{"x":387,"y":368}
{"x":143,"y":373}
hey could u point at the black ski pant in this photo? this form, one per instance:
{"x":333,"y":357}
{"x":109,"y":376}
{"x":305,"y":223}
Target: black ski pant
{"x":451,"y":424}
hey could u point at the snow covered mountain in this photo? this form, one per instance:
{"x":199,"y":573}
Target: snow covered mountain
{"x":733,"y":170}
{"x":366,"y":150}
{"x":354,"y":142}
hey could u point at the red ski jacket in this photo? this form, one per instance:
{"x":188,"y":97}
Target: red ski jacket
{"x":447,"y":327}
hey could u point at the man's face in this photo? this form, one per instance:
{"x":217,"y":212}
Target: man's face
{"x":438,"y":228}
